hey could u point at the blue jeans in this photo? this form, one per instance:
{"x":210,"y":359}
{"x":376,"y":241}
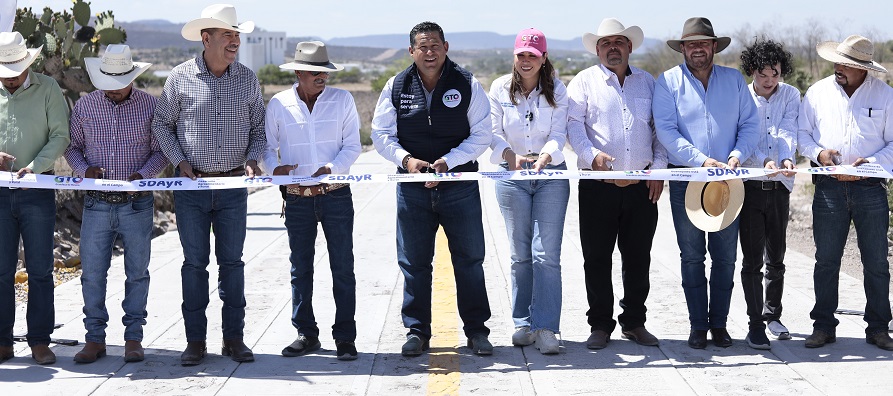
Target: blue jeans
{"x":704,"y":314}
{"x":534,"y":212}
{"x":102,"y":223}
{"x":457,"y":207}
{"x":335,"y":212}
{"x":197,"y":212}
{"x":31,"y":215}
{"x":835,"y":204}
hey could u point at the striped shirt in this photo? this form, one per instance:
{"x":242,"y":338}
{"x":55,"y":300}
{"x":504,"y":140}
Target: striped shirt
{"x":213,"y":123}
{"x":115,"y":136}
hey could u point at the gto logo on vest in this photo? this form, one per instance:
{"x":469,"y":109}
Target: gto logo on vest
{"x":452,"y":98}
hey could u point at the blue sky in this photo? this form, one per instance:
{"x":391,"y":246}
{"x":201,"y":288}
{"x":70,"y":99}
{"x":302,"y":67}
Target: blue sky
{"x":568,"y":19}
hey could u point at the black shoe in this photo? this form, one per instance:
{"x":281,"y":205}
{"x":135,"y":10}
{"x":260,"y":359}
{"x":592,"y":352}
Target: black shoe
{"x":881,"y":339}
{"x":237,"y":351}
{"x":819,"y":338}
{"x":346,"y":350}
{"x":721,"y":337}
{"x":756,"y":339}
{"x":194,"y":353}
{"x":697,"y":339}
{"x":480,"y":345}
{"x":414,"y":345}
{"x":302,"y":346}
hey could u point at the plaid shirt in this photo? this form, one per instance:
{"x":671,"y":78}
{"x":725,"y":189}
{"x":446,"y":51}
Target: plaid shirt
{"x":213,"y":123}
{"x":117,"y":137}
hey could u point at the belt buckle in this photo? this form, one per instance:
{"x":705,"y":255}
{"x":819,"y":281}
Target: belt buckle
{"x":766,"y":185}
{"x":323,"y":189}
{"x":115,"y":198}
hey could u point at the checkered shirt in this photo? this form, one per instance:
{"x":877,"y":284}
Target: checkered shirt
{"x":213,"y":123}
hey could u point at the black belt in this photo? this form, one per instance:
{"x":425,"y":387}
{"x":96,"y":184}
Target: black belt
{"x":765,"y":185}
{"x":240,"y":171}
{"x":117,"y":197}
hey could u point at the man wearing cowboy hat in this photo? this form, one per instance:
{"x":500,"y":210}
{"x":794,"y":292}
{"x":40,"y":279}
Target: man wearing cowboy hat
{"x":111,"y":138}
{"x":705,"y":117}
{"x":33,"y":134}
{"x":621,"y":137}
{"x":847,"y":118}
{"x":313,"y":130}
{"x":210,"y":123}
{"x":435,"y":116}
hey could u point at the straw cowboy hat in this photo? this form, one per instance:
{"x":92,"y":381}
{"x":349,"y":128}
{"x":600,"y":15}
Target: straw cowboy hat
{"x":613,"y":27}
{"x":216,"y":16}
{"x":15,"y":58}
{"x":714,"y":205}
{"x":312,"y":56}
{"x":699,"y":28}
{"x":856,"y":51}
{"x":116,"y":69}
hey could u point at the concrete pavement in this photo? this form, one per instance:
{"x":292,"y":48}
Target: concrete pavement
{"x":849,"y":366}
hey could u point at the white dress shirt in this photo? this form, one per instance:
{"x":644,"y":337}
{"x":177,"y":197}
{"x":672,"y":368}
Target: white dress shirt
{"x":857,"y":126}
{"x":778,"y":130}
{"x":532,"y":126}
{"x":604,"y":116}
{"x":329,"y":136}
{"x":384,"y":128}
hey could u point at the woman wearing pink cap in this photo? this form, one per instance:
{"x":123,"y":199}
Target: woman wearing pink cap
{"x":529,"y":114}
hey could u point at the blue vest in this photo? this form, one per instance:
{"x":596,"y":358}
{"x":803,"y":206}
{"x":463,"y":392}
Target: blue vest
{"x":430,"y":133}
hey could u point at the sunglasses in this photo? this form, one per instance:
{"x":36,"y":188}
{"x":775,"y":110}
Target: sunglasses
{"x":316,"y":73}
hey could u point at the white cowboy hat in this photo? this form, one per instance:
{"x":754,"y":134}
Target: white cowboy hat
{"x":714,"y":205}
{"x":116,"y":69}
{"x":699,"y":28}
{"x":613,"y":27}
{"x":312,"y":56}
{"x":15,"y":58}
{"x":856,"y":51}
{"x":216,"y":16}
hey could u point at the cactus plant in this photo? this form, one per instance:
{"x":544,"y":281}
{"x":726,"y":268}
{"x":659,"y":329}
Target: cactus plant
{"x":67,"y":39}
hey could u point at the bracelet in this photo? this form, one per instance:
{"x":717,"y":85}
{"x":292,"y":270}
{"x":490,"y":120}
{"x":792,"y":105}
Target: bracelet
{"x":406,"y":160}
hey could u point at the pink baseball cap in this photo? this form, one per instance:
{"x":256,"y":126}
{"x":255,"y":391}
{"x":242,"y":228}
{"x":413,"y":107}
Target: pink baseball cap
{"x":531,"y":40}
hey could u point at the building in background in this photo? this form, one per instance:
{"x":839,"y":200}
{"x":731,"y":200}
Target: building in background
{"x":262,"y":48}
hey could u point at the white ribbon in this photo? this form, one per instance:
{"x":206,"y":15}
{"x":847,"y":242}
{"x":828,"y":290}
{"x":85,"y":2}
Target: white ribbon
{"x":11,"y":180}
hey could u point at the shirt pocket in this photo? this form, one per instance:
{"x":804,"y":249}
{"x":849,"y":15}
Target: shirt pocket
{"x":642,"y":109}
{"x":871,"y":121}
{"x":544,"y":119}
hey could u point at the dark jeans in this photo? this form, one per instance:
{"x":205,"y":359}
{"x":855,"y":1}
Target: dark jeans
{"x":335,"y":212}
{"x":456,"y":206}
{"x":197,"y":212}
{"x":31,"y":215}
{"x":624,"y":215}
{"x":763,"y":231}
{"x":835,"y":204}
{"x":704,"y":313}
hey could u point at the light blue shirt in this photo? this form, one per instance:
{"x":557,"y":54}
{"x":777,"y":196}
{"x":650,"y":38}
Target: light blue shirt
{"x":695,"y":124}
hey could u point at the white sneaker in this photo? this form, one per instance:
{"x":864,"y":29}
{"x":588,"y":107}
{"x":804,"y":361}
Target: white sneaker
{"x":778,"y":330}
{"x":546,"y":342}
{"x":523,"y":336}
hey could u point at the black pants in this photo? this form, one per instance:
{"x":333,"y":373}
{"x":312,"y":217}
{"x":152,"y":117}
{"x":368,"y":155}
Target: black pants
{"x":624,"y":215}
{"x":763,"y":229}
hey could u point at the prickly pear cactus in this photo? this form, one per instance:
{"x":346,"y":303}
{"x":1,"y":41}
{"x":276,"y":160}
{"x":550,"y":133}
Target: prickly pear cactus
{"x":67,"y":38}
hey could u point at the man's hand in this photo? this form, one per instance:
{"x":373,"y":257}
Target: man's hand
{"x":602,"y":162}
{"x":186,"y":169}
{"x":415,"y":165}
{"x":788,"y":166}
{"x":860,"y":161}
{"x":544,"y":160}
{"x":284,"y":170}
{"x":770,"y":165}
{"x":440,"y":166}
{"x":734,"y":162}
{"x":712,"y":163}
{"x":655,"y":188}
{"x":135,"y":176}
{"x":323,"y":170}
{"x":827,"y":157}
{"x":94,"y":172}
{"x":6,"y":161}
{"x":251,"y":169}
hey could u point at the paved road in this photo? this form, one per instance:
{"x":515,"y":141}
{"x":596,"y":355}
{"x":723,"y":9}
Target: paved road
{"x":848,"y":367}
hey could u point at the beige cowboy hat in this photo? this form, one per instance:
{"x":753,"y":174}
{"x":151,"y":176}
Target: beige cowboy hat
{"x":699,"y":28}
{"x":613,"y":27}
{"x":312,"y":56}
{"x":714,"y":205}
{"x":856,"y":51}
{"x":216,"y":16}
{"x":15,"y":58}
{"x":116,"y":69}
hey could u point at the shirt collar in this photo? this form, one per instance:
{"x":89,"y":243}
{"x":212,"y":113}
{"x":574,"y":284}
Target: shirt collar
{"x":203,"y":67}
{"x":608,"y":73}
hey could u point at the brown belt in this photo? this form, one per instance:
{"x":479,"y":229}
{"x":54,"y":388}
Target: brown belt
{"x":113,"y":197}
{"x":240,"y":171}
{"x":619,"y":182}
{"x":848,"y":178}
{"x":312,"y":191}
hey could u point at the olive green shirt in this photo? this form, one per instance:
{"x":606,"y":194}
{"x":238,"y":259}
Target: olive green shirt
{"x":34,"y":123}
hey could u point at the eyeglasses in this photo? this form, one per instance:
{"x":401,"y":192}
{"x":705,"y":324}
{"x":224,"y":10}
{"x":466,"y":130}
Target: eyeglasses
{"x":316,"y":73}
